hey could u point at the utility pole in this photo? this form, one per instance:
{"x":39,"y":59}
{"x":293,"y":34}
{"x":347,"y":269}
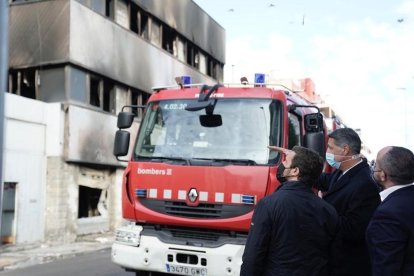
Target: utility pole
{"x":4,"y":55}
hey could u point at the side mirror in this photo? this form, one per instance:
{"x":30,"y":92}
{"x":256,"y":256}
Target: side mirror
{"x":212,"y":120}
{"x":314,"y":122}
{"x":121,"y":144}
{"x":125,"y":119}
{"x":316,"y":142}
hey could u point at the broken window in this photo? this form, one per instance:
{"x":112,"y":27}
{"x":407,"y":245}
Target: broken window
{"x":109,"y":9}
{"x":202,"y":63}
{"x":168,"y":39}
{"x":180,"y":48}
{"x":14,"y":78}
{"x":139,"y":98}
{"x":121,"y":13}
{"x":156,"y":32}
{"x":95,"y":94}
{"x":143,"y":25}
{"x":88,"y":201}
{"x":133,"y":18}
{"x":108,"y":96}
{"x":23,"y":83}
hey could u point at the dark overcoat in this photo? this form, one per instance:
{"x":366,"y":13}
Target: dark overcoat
{"x":390,"y":234}
{"x":355,"y":197}
{"x":290,"y":234}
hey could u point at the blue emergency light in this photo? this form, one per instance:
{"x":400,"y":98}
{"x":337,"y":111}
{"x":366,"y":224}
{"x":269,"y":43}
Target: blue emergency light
{"x":186,"y":80}
{"x":259,"y":78}
{"x":141,"y":192}
{"x":248,"y":199}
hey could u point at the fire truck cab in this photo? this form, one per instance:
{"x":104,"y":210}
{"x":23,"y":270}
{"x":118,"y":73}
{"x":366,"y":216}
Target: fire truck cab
{"x":199,"y":165}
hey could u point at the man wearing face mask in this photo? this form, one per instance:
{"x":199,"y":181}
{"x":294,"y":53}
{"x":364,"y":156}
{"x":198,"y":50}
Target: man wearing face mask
{"x":355,"y":196}
{"x":390,"y":233}
{"x":292,"y":229}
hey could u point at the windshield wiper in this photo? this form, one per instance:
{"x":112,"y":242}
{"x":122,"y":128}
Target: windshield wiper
{"x":247,"y":162}
{"x":164,"y":159}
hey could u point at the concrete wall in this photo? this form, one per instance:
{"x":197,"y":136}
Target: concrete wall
{"x":47,"y":194}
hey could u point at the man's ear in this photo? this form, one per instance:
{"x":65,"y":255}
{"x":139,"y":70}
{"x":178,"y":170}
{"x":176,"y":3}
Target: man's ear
{"x":295,"y":171}
{"x":346,"y":149}
{"x":382,"y":176}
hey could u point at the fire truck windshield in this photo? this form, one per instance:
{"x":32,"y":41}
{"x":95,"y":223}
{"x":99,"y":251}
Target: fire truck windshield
{"x":247,"y":127}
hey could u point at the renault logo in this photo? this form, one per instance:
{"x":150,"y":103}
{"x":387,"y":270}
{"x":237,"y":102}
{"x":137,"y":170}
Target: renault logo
{"x":192,"y":195}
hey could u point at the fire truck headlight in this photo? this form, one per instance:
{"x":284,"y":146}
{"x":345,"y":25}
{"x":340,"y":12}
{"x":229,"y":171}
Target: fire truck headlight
{"x":129,"y":235}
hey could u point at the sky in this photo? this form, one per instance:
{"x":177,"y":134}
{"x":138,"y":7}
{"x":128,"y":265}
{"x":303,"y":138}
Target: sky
{"x":360,"y":55}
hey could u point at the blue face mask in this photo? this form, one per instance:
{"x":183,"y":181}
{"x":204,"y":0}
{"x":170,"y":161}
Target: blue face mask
{"x":330,"y":158}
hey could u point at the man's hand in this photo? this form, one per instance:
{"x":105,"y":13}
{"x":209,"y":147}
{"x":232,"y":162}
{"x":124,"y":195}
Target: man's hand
{"x":281,"y":150}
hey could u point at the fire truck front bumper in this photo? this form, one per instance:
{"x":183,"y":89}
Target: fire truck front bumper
{"x":151,"y":254}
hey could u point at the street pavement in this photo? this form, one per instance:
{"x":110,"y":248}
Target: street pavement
{"x":24,"y":255}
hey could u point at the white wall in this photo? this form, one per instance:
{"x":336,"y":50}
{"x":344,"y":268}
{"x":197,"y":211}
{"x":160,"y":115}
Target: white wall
{"x":33,"y":131}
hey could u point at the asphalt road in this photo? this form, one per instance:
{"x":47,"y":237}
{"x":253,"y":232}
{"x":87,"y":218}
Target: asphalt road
{"x":90,"y":264}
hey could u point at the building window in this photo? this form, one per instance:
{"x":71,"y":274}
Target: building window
{"x":121,"y":13}
{"x":95,"y":91}
{"x":109,"y":9}
{"x":109,"y":96}
{"x":102,"y":93}
{"x":133,"y":18}
{"x":88,"y":202}
{"x":168,"y":39}
{"x":180,"y":48}
{"x":202,"y":63}
{"x":23,"y":83}
{"x":143,"y":25}
{"x":139,"y":98}
{"x":156,"y":33}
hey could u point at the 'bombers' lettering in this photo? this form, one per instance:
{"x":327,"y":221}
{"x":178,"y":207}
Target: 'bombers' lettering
{"x":151,"y":171}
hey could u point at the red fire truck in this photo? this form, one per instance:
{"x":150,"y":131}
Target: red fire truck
{"x":199,"y":166}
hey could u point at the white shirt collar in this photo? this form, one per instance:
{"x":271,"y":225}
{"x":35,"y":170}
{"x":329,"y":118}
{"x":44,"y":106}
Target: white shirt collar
{"x":351,"y":167}
{"x":385,"y":193}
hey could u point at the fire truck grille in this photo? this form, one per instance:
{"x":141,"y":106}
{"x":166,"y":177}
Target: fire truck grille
{"x":201,"y":211}
{"x":195,"y":236}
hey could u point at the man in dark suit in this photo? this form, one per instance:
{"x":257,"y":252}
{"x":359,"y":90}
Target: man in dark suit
{"x":390,"y":234}
{"x":355,"y":196}
{"x":292,"y":229}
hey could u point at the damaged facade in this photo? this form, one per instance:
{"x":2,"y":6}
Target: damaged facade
{"x":73,"y":65}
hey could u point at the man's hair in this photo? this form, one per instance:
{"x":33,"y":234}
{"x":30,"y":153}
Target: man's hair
{"x":347,"y":136}
{"x":309,"y":162}
{"x":398,"y":165}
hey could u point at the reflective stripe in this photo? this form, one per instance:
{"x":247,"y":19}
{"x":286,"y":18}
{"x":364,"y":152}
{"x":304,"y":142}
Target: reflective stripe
{"x":167,"y":194}
{"x":203,"y":196}
{"x":235,"y":198}
{"x":219,"y":197}
{"x":153,"y":193}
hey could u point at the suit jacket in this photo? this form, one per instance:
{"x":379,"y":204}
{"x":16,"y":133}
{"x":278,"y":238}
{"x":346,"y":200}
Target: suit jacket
{"x":390,"y":234}
{"x":355,"y":197}
{"x":290,"y":234}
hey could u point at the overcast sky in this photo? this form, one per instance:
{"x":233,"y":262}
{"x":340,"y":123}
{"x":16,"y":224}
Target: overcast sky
{"x":360,"y":54}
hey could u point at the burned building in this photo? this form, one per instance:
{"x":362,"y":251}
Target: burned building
{"x":73,"y":65}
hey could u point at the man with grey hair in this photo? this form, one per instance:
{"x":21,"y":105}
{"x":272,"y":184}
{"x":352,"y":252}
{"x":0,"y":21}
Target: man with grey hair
{"x":355,"y":196}
{"x":390,"y":234}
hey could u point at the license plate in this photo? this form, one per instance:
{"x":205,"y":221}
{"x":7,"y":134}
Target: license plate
{"x":185,"y":270}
